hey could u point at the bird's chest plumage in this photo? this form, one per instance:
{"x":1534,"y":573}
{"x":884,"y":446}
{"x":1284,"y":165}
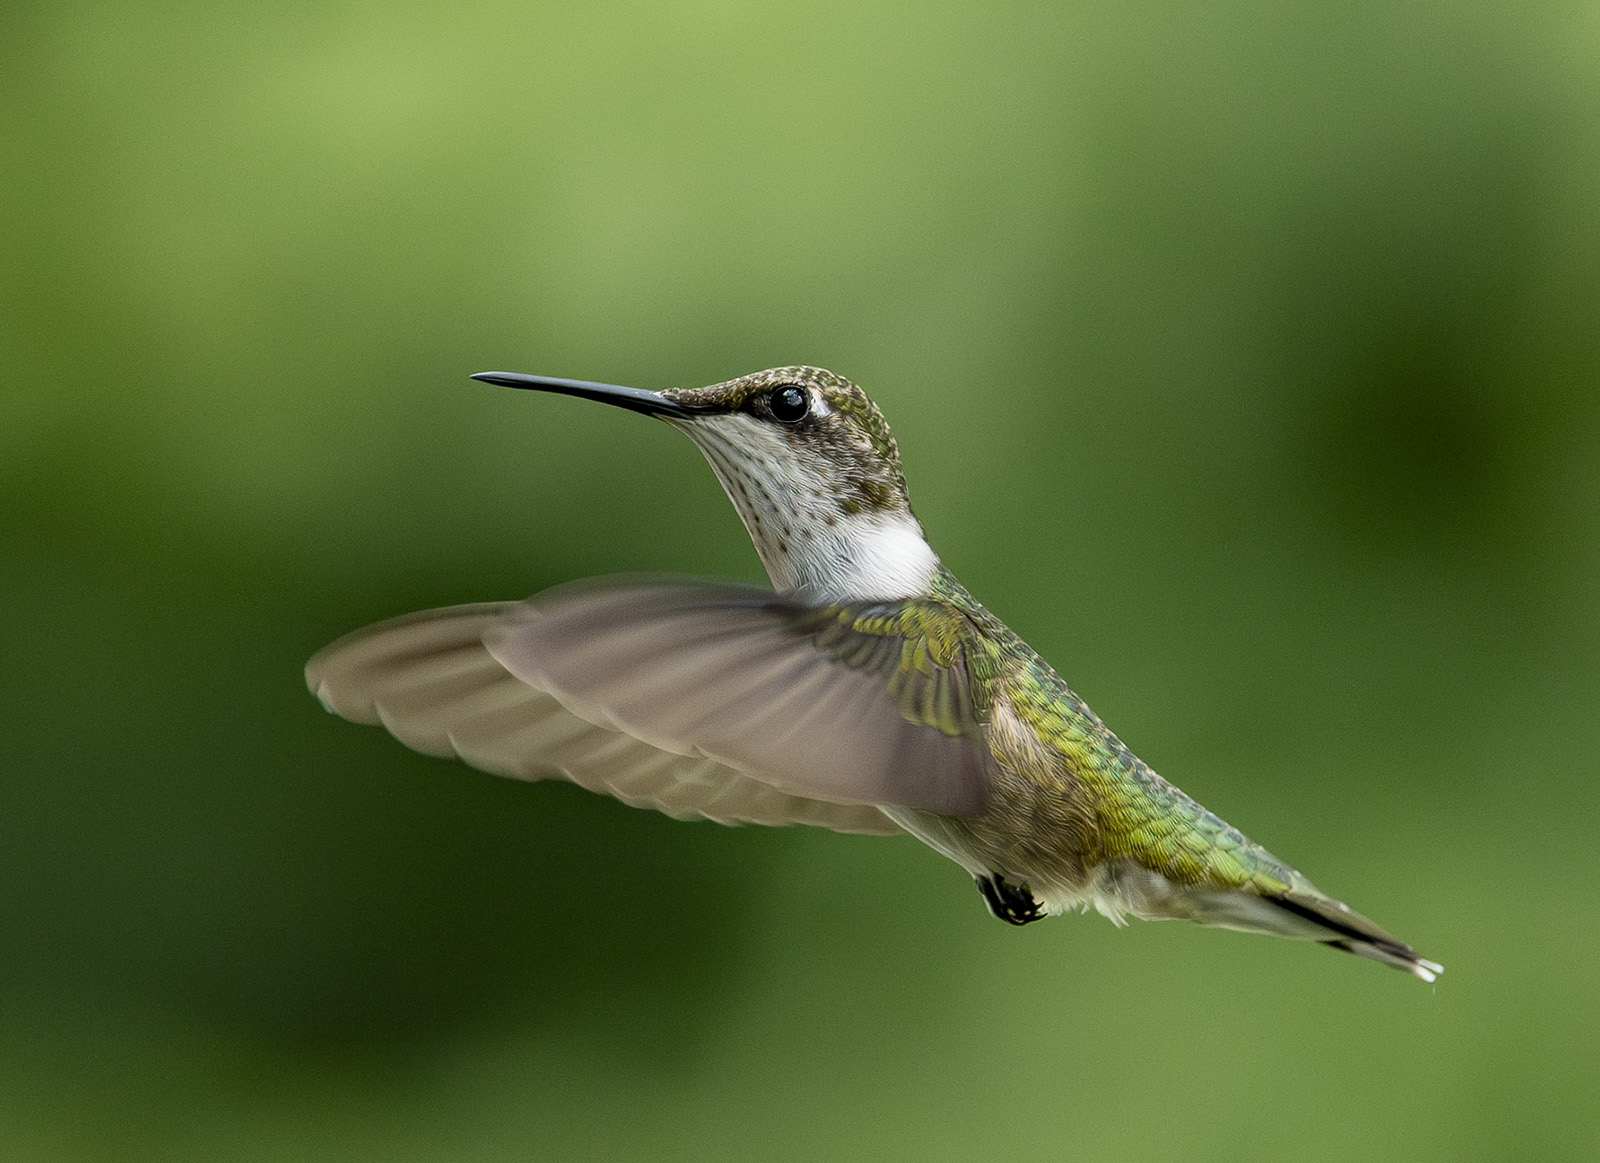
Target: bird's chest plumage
{"x":1040,"y":826}
{"x":1037,"y":796}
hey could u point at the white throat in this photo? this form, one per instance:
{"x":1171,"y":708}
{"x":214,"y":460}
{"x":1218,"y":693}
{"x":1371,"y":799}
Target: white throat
{"x":864,"y":558}
{"x":804,"y":539}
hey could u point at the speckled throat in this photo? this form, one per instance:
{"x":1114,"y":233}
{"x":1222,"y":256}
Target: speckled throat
{"x":823,"y":498}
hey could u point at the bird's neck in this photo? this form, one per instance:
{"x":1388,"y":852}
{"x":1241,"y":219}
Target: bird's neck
{"x":831,"y":536}
{"x":809,"y":547}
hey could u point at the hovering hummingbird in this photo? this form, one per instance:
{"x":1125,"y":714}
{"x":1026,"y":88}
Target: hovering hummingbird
{"x":867,"y":691}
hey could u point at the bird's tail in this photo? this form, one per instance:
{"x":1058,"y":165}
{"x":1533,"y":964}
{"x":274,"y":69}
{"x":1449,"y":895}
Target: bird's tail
{"x":1275,"y":899}
{"x":1338,"y":926}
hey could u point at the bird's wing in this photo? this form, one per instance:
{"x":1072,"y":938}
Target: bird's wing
{"x":854,"y":704}
{"x":430,"y":680}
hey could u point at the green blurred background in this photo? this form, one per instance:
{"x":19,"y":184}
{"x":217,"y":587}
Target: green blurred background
{"x":1242,"y":356}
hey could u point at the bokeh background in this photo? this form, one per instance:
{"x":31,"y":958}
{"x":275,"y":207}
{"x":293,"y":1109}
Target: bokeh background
{"x":1242,"y":356}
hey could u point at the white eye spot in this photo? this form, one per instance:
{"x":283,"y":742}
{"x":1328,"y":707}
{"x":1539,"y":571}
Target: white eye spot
{"x":819,"y":406}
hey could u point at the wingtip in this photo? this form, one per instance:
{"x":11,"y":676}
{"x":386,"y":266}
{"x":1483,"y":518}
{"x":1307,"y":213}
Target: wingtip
{"x":320,"y":689}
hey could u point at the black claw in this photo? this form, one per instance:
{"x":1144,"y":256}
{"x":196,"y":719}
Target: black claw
{"x":1012,"y":903}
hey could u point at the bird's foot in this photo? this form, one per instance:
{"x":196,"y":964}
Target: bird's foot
{"x":1012,"y":903}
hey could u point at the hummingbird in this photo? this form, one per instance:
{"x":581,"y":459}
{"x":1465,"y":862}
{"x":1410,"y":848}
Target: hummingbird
{"x":866,"y":691}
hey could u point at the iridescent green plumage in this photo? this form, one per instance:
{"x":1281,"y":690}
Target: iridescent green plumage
{"x":951,"y":663}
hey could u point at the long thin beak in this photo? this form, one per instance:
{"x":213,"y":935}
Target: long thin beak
{"x":634,"y":399}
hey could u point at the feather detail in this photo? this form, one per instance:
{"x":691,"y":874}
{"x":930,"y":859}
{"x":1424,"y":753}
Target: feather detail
{"x":755,"y":681}
{"x":428,"y":679}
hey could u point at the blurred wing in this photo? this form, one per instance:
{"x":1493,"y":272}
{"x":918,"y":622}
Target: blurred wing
{"x":428,"y":678}
{"x":851,"y":705}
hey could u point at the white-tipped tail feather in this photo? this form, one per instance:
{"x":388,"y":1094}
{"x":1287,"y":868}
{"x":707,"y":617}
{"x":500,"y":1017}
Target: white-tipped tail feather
{"x":1302,"y":911}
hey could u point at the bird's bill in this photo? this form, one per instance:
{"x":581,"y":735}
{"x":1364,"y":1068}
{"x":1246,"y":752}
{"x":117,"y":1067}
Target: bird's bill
{"x":634,"y":399}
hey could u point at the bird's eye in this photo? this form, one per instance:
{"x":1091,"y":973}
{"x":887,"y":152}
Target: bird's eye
{"x":789,"y":403}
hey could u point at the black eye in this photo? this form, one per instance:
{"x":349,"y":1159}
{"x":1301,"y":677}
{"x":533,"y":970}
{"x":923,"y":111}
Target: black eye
{"x":789,"y":403}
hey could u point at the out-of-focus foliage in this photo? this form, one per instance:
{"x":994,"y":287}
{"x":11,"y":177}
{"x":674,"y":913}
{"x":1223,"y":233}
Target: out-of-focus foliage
{"x":1242,"y":356}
